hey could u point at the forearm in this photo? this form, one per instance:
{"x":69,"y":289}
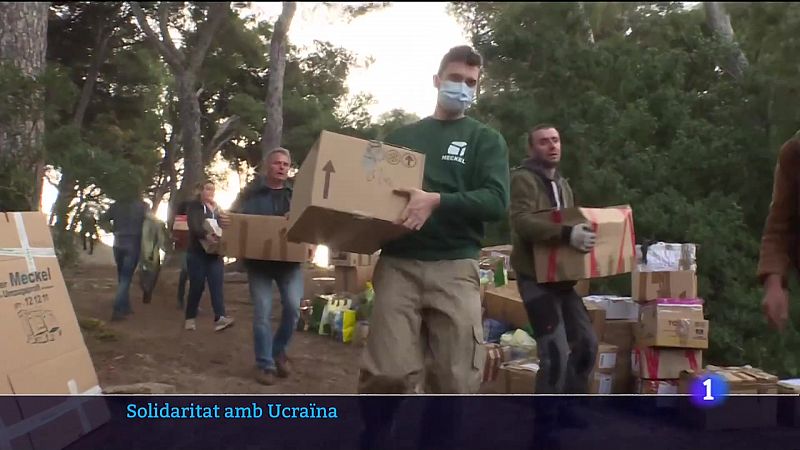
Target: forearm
{"x":486,"y":205}
{"x":195,"y":220}
{"x":538,"y":228}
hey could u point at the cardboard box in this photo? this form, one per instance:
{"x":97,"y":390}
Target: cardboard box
{"x":344,"y":193}
{"x":598,"y":317}
{"x":601,"y":383}
{"x":504,"y":304}
{"x":181,"y":223}
{"x":41,"y":346}
{"x":617,"y":308}
{"x":353,"y":279}
{"x":347,"y":259}
{"x":664,"y":363}
{"x":647,"y":286}
{"x":261,"y":238}
{"x":666,"y":257}
{"x":620,"y":333}
{"x":613,"y":254}
{"x":672,"y":325}
{"x":606,"y":360}
{"x":762,"y":410}
{"x":520,"y":376}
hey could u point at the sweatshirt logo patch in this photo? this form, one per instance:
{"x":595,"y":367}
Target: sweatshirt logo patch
{"x":455,"y":152}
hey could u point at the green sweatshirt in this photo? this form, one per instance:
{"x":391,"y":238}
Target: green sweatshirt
{"x":467,"y":162}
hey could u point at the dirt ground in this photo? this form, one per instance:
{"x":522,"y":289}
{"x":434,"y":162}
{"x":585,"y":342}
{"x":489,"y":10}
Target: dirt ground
{"x":152,"y":346}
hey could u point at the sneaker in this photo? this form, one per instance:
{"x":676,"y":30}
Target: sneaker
{"x":265,"y":377}
{"x":282,"y":366}
{"x":190,"y":325}
{"x":222,"y":323}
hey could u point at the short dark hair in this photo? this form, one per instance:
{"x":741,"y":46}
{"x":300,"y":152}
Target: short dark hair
{"x":537,"y":127}
{"x":463,"y":54}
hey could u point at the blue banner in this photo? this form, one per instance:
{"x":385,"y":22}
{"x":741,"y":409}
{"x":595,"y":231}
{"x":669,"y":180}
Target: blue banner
{"x":396,"y":422}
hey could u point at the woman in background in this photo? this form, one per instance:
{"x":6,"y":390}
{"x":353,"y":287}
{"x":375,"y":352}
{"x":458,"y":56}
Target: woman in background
{"x":201,"y":258}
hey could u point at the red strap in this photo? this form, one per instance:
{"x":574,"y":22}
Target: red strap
{"x":594,"y":268}
{"x":552,"y":263}
{"x":652,"y":360}
{"x":691,"y":356}
{"x":628,"y":226}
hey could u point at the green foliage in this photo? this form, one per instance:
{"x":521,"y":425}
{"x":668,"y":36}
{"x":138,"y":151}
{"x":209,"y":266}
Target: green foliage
{"x":646,"y":120}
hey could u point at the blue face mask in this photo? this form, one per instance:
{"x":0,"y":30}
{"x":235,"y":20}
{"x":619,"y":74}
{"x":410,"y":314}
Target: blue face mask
{"x":455,"y":96}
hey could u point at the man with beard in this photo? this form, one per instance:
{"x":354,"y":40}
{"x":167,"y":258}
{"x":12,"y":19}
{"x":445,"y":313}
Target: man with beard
{"x":557,"y":314}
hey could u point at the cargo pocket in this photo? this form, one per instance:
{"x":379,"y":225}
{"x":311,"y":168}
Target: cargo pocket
{"x":479,"y":351}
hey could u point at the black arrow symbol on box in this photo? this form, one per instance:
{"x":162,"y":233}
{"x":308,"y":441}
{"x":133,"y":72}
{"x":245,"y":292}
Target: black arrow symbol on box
{"x":409,"y":160}
{"x":328,"y":169}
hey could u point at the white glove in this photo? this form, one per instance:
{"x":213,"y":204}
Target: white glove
{"x":582,"y":237}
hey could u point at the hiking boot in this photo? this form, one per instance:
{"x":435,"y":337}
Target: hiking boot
{"x":265,"y":377}
{"x":190,"y":325}
{"x":282,"y":365}
{"x":222,"y":323}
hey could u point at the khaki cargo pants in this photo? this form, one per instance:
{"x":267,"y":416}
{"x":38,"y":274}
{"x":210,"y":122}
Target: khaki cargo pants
{"x":426,"y":321}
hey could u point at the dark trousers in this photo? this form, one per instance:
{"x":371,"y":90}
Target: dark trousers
{"x":565,"y":340}
{"x":126,"y":258}
{"x":202,"y":268}
{"x":182,"y":280}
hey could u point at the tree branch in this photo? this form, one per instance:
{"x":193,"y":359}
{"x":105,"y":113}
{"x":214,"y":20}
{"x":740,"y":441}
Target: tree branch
{"x":163,"y":25}
{"x":222,"y":136}
{"x":216,"y":14}
{"x":162,"y":48}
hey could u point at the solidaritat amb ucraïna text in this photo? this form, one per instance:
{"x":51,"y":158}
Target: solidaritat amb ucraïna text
{"x":252,"y":411}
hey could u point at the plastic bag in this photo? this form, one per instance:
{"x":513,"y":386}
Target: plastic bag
{"x":521,"y":343}
{"x":348,"y":325}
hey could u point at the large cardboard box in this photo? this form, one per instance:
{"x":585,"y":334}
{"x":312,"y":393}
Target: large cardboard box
{"x":620,"y":333}
{"x":664,"y":363}
{"x":520,"y":376}
{"x":353,"y":279}
{"x":667,"y":323}
{"x":262,"y":238}
{"x":504,"y":304}
{"x":623,"y":380}
{"x":344,"y":193}
{"x":613,"y":254}
{"x":347,"y":259}
{"x":647,"y":286}
{"x":41,"y":346}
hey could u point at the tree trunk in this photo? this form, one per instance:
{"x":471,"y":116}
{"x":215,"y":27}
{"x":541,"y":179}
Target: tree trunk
{"x":734,"y":61}
{"x":23,"y":44}
{"x":273,"y":128}
{"x":587,"y":26}
{"x":189,"y":110}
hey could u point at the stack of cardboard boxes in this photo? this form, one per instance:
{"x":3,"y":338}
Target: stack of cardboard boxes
{"x":672,"y":330}
{"x":352,"y":271}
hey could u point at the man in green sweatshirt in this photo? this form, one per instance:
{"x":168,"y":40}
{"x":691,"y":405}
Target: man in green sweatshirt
{"x":427,"y":284}
{"x":556,"y":312}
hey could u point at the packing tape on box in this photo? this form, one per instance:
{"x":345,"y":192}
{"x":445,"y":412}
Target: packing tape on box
{"x":25,"y":426}
{"x":25,"y":250}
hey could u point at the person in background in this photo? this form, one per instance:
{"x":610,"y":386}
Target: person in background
{"x":125,"y":218}
{"x":154,"y":240}
{"x":427,"y":285}
{"x":204,"y":266}
{"x":181,"y":243}
{"x":269,"y":195}
{"x":780,"y":243}
{"x":89,"y":230}
{"x":556,"y":312}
